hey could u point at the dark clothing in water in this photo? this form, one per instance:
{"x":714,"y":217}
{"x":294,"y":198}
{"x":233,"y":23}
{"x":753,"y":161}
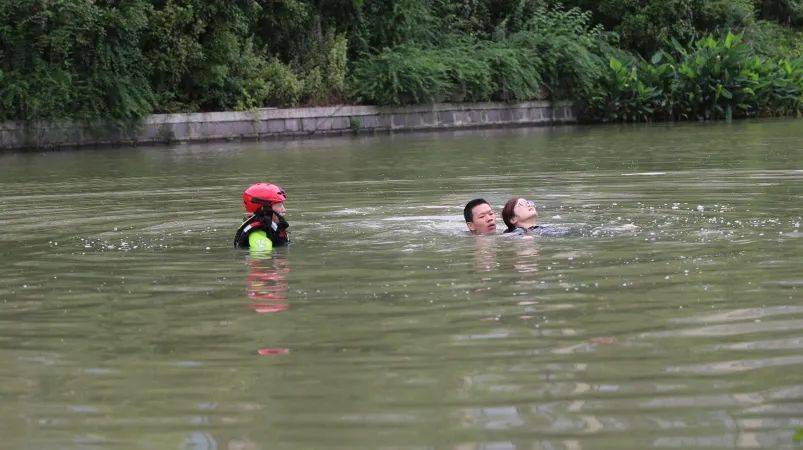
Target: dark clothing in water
{"x":277,"y":233}
{"x":538,"y":230}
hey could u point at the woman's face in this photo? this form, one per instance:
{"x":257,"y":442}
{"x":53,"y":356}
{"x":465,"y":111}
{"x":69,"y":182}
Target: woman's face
{"x":524,"y":210}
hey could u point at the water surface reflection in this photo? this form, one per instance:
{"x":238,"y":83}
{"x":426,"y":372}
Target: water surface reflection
{"x":266,"y":287}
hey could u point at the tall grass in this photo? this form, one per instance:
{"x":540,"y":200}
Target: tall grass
{"x":553,"y":54}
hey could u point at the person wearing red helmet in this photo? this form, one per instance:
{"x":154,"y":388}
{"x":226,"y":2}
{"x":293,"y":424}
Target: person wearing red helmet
{"x":265,"y":227}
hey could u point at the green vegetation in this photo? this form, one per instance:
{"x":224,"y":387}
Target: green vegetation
{"x":73,"y":59}
{"x":713,"y":79}
{"x":552,"y":51}
{"x":621,"y":60}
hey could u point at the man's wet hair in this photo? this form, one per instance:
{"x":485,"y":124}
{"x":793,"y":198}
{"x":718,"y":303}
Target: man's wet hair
{"x":470,"y":205}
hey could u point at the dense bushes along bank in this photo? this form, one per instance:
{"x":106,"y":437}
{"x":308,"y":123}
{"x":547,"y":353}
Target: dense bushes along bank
{"x":619,"y":59}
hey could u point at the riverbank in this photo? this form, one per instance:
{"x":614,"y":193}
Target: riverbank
{"x":277,"y":123}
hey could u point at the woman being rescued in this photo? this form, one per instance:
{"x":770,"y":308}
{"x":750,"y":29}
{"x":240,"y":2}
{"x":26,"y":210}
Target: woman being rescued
{"x":521,"y":218}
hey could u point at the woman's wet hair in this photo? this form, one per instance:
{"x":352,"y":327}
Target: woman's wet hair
{"x":467,"y":214}
{"x":508,"y":214}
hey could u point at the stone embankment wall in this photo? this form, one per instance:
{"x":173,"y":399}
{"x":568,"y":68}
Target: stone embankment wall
{"x":276,"y":123}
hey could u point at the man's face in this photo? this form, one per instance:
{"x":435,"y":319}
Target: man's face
{"x":483,"y":219}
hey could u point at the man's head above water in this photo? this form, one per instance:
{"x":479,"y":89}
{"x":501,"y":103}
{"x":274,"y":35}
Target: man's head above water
{"x":480,"y":218}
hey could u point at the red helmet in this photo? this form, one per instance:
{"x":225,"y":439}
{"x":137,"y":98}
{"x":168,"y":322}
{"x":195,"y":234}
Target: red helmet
{"x":262,"y":194}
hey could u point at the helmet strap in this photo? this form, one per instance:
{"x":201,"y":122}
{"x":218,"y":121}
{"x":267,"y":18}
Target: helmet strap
{"x":282,"y":223}
{"x":267,"y":212}
{"x":264,"y":210}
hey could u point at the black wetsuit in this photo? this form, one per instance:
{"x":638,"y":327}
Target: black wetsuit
{"x":276,"y":232}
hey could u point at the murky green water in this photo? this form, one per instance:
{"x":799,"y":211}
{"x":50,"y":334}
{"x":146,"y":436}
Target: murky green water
{"x":672,"y":317}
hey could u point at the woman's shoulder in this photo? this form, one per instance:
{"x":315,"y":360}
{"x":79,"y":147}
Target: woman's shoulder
{"x":538,"y":230}
{"x":515,"y":232}
{"x":550,"y":230}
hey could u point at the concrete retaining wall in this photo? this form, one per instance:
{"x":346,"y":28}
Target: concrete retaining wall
{"x":273,"y":122}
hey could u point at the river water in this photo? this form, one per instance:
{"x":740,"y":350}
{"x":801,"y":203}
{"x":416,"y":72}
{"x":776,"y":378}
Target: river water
{"x":670,"y":317}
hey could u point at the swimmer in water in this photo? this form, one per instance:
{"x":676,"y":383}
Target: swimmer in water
{"x":265,"y":226}
{"x":521,"y":218}
{"x":480,"y":218}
